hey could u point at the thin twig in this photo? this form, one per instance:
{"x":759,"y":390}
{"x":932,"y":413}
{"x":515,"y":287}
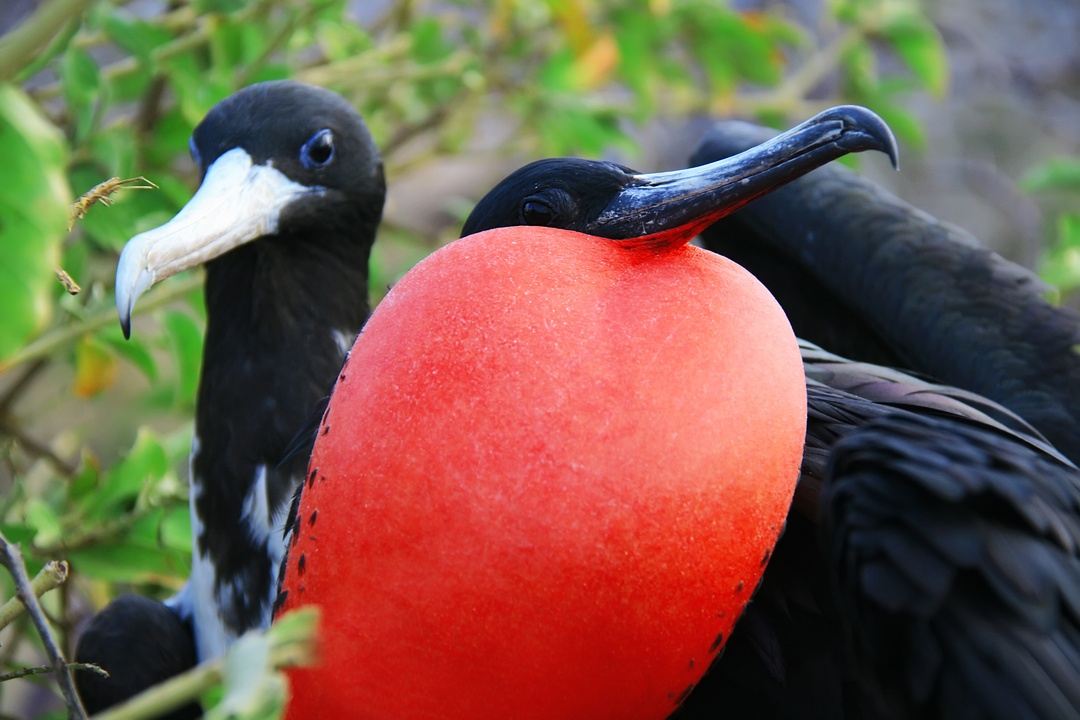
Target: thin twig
{"x":811,"y":72}
{"x":11,"y":558}
{"x":97,"y":534}
{"x":17,"y":388}
{"x":67,"y":281}
{"x":36,"y":448}
{"x":408,"y":132}
{"x":199,"y":35}
{"x":28,"y":39}
{"x":295,"y":19}
{"x":42,"y":669}
{"x":51,"y":576}
{"x":67,"y":334}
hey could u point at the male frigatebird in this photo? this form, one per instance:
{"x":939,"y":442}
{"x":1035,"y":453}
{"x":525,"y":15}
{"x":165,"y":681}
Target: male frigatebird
{"x":931,"y":563}
{"x":506,"y":489}
{"x":291,"y":195}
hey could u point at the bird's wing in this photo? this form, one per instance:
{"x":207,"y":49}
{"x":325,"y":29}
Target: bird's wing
{"x":955,"y":555}
{"x":790,"y":654}
{"x":910,"y":391}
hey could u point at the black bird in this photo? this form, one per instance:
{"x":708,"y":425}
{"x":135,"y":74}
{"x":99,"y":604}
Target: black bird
{"x":864,"y":274}
{"x":284,"y":219}
{"x":930,"y":567}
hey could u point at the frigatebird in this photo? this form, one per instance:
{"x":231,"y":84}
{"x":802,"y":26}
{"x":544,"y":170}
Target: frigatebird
{"x":864,"y":274}
{"x":284,"y":218}
{"x":931,"y":563}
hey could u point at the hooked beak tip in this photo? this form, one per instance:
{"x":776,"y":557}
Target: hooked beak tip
{"x":863,"y":130}
{"x":133,"y":278}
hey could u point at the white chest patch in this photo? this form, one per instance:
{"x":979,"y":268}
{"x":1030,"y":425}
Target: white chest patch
{"x":204,"y":596}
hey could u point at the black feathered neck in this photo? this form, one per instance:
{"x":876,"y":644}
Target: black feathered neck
{"x":279,"y":313}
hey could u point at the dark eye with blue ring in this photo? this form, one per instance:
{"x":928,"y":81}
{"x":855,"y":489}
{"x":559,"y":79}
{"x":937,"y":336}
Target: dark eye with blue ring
{"x":194,"y":150}
{"x":318,"y":151}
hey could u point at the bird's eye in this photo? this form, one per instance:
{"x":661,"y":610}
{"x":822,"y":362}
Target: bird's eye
{"x":537,"y":212}
{"x":318,"y":151}
{"x":194,"y":150}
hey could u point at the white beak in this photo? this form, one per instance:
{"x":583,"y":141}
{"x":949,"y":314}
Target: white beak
{"x":236,"y":203}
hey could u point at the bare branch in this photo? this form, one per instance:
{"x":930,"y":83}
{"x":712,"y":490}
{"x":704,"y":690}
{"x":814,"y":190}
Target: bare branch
{"x":51,"y":576}
{"x":42,"y":669}
{"x":29,"y":38}
{"x":11,"y":558}
{"x":36,"y":448}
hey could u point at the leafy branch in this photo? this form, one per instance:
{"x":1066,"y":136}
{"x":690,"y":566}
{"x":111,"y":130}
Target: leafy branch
{"x":65,"y":335}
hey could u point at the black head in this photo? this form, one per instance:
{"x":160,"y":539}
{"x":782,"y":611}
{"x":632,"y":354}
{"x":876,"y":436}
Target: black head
{"x":277,"y":159}
{"x":669,"y":208}
{"x":310,"y":135}
{"x":568,"y":193}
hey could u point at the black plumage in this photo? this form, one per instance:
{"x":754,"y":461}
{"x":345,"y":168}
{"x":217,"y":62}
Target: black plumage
{"x":910,"y":485}
{"x":284,"y":220}
{"x":166,"y":647}
{"x":864,"y":274}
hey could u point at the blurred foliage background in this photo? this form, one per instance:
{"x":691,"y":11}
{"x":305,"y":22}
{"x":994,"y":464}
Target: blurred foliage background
{"x":94,"y":430}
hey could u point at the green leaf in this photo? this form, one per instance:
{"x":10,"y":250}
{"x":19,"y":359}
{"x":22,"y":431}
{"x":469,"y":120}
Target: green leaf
{"x":128,"y":561}
{"x":85,"y":481}
{"x":907,"y":127}
{"x":557,"y":74}
{"x":428,"y":45}
{"x":44,"y":521}
{"x":138,"y":37}
{"x":636,"y":36}
{"x":134,"y":351}
{"x":176,"y":528}
{"x":860,"y":70}
{"x":34,"y":204}
{"x":1060,"y":265}
{"x":1057,"y":174}
{"x":145,"y":463}
{"x":170,"y":138}
{"x":218,"y":6}
{"x":918,"y":43}
{"x":233,"y":46}
{"x":80,"y":80}
{"x":115,"y":149}
{"x":196,"y":90}
{"x":729,"y":47}
{"x":186,"y":337}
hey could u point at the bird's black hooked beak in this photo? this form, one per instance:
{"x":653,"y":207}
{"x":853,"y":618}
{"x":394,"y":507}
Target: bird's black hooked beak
{"x":663,"y":208}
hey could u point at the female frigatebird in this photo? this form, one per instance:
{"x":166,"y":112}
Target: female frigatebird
{"x":931,"y":562}
{"x":284,"y":219}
